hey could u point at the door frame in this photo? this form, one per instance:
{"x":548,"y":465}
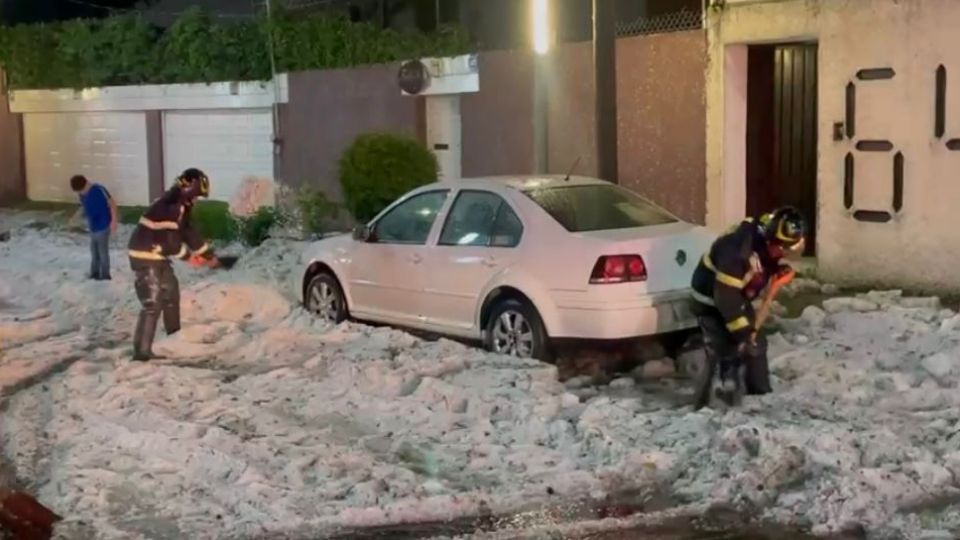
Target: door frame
{"x":782,"y":131}
{"x":727,"y":142}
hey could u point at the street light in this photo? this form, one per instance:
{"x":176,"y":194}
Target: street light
{"x":542,"y":36}
{"x":541,"y":26}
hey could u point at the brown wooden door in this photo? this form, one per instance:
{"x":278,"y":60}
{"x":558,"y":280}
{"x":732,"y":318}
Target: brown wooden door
{"x":782,"y":130}
{"x":795,"y":130}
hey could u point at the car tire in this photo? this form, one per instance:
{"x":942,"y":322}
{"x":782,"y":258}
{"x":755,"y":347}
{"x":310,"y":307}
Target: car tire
{"x":516,"y":329}
{"x":324,"y":298}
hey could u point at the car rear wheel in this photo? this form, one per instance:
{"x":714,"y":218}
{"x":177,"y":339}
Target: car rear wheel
{"x":515,"y":329}
{"x":325,"y":299}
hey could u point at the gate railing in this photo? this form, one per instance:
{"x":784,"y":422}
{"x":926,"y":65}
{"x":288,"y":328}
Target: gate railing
{"x":677,"y":21}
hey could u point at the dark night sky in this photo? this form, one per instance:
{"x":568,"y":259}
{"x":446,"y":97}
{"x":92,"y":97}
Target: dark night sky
{"x":29,"y":11}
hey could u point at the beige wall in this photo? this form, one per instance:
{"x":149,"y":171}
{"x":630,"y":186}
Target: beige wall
{"x":920,"y":246}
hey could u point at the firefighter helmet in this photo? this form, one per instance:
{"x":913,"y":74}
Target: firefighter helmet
{"x":785,"y":226}
{"x":194,"y":183}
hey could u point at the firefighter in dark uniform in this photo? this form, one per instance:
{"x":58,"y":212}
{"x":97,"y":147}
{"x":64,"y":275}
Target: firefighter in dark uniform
{"x":164,"y":233}
{"x":738,"y":266}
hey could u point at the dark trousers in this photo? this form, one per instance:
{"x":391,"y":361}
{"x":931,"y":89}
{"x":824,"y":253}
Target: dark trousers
{"x":159,"y":293}
{"x":100,"y":254}
{"x":724,"y":360}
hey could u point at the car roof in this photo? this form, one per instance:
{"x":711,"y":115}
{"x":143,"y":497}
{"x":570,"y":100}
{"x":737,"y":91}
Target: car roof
{"x":520,"y":182}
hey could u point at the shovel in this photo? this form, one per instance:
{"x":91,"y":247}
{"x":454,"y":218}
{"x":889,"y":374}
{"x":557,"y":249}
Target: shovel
{"x":772,"y":291}
{"x":24,"y":517}
{"x":227,"y":261}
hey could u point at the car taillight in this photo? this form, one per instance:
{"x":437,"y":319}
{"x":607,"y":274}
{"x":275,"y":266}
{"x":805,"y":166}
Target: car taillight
{"x":619,"y":269}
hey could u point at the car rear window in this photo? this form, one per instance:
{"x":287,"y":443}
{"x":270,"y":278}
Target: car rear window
{"x":598,"y":207}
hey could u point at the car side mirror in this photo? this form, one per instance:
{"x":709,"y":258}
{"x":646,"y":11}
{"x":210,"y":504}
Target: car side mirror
{"x":361,"y":233}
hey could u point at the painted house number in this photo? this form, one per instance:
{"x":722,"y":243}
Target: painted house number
{"x":865,"y":145}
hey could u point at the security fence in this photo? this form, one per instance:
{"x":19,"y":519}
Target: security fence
{"x":677,"y":21}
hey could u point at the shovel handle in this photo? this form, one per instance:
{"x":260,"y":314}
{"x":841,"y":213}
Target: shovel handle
{"x":768,"y":298}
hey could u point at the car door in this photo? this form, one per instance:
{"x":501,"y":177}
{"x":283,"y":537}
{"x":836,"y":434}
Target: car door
{"x":387,"y":271}
{"x":481,"y":237}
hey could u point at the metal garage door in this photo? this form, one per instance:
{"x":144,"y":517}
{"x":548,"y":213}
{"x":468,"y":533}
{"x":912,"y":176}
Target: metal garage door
{"x":229,"y":146}
{"x":108,"y":148}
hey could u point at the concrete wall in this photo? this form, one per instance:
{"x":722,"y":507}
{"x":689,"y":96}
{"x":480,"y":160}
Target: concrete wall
{"x":497,"y":122}
{"x":661,"y":108}
{"x":13,"y":186}
{"x":327,"y":110}
{"x":571,"y":112}
{"x":919,"y":246}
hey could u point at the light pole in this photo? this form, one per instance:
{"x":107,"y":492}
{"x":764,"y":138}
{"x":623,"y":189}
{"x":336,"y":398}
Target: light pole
{"x":605,"y":83}
{"x":275,"y":108}
{"x":542,"y":41}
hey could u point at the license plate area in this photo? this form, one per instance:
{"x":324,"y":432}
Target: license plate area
{"x":682,"y":312}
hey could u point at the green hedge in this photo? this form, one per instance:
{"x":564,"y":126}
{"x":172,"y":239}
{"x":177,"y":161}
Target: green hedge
{"x":196,"y":48}
{"x":378,"y":168}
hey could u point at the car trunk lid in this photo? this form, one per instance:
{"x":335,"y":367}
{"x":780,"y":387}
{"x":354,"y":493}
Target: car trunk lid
{"x":670,"y":252}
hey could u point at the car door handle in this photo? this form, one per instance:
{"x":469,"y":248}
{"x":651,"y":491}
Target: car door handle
{"x":415,"y":259}
{"x":489,"y":262}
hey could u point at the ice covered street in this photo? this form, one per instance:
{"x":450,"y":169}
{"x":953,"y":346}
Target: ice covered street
{"x":265,"y":423}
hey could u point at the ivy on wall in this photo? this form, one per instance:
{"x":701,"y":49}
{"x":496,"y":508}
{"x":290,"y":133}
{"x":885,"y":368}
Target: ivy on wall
{"x":126,"y":50}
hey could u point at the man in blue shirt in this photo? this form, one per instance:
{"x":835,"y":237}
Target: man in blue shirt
{"x":101,"y":212}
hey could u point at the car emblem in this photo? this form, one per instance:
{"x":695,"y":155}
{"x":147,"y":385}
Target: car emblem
{"x":681,"y":257}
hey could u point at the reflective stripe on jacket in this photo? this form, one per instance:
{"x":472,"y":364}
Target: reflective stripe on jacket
{"x":165,"y":232}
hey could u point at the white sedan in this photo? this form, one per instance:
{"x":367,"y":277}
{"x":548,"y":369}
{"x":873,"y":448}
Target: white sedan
{"x":515,"y":262}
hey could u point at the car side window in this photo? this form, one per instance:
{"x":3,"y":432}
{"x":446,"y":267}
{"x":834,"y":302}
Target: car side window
{"x":410,"y":221}
{"x":481,"y":218}
{"x":507,"y":229}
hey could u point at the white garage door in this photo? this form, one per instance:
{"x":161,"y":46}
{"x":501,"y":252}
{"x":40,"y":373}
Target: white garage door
{"x":107,"y":148}
{"x":229,"y":146}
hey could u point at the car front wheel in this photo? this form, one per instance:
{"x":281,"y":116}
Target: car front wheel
{"x":515,"y":329}
{"x":325,"y":299}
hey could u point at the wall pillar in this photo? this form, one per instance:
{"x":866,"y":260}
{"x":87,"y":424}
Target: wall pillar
{"x":155,"y":172}
{"x":13,"y":182}
{"x":444,"y":135}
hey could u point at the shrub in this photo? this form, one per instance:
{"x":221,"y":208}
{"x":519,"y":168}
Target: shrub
{"x":213,"y":221}
{"x":314,"y":210}
{"x":198,"y":49}
{"x":380,"y":167}
{"x":126,"y":49}
{"x":117,"y":50}
{"x":130,"y":215}
{"x":253,"y":230}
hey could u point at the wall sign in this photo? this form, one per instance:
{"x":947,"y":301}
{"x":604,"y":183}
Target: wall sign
{"x":940,"y":121}
{"x":866,"y":145}
{"x":849,"y":129}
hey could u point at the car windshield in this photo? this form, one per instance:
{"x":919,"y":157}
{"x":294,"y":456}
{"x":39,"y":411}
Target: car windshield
{"x":598,"y":207}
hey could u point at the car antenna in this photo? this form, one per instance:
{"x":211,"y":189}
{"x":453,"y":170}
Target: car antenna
{"x":573,"y":168}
